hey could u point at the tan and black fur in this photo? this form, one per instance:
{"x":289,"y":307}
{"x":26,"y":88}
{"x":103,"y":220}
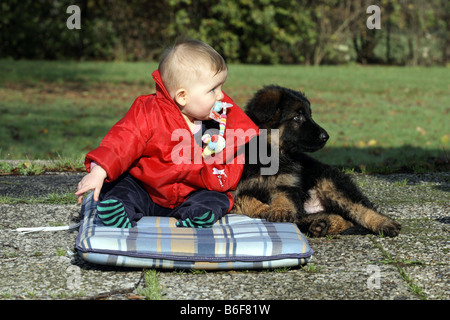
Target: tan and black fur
{"x":317,"y":197}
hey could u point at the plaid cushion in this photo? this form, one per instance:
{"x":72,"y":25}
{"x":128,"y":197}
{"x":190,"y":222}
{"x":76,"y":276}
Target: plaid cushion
{"x":234,"y":242}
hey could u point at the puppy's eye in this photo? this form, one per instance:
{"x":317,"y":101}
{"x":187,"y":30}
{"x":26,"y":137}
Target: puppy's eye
{"x":299,"y":118}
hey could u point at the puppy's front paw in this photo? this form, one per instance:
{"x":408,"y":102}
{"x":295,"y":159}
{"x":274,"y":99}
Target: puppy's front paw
{"x":281,"y":214}
{"x":319,"y":228}
{"x":389,"y":228}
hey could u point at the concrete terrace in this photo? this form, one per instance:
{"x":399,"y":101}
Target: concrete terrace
{"x":351,"y":266}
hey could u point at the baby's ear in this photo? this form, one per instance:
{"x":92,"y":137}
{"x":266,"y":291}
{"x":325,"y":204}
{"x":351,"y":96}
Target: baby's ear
{"x":180,"y":97}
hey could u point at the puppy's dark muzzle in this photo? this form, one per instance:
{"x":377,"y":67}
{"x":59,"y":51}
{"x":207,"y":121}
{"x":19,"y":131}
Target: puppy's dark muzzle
{"x":324,"y":137}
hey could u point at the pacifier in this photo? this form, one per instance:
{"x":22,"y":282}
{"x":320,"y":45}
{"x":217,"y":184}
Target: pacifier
{"x":216,"y":143}
{"x":217,"y":107}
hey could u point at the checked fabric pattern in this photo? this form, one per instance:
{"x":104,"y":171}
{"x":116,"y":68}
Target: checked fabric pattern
{"x":233,"y":242}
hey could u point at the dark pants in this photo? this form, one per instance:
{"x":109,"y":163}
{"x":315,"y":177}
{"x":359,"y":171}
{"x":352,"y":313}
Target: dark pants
{"x":138,"y":203}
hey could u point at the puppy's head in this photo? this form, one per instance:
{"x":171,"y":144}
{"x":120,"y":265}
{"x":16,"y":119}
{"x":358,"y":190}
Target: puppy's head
{"x":289,"y":111}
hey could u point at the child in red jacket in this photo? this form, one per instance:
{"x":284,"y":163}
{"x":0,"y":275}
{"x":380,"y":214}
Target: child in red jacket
{"x":151,"y":162}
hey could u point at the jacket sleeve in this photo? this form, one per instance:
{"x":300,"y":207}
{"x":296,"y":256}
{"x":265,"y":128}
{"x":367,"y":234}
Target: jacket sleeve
{"x":124,"y":143}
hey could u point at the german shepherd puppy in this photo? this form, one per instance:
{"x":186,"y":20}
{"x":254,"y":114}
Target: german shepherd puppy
{"x":319,"y":198}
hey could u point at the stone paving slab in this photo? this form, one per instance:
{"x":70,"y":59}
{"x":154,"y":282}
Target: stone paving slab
{"x":355,"y":265}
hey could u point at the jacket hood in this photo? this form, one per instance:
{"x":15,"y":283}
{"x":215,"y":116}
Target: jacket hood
{"x":160,"y":88}
{"x":161,"y":91}
{"x":167,"y":102}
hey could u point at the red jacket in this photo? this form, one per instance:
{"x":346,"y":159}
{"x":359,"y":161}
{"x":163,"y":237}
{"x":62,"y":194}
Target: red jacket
{"x":149,"y":144}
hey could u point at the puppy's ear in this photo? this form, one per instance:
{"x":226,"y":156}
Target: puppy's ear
{"x":264,"y":107}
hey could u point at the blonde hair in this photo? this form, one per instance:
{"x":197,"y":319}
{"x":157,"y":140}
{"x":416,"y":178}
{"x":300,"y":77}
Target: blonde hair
{"x":185,"y":62}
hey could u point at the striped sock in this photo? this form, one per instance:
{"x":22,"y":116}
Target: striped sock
{"x":205,"y":221}
{"x":112,"y":213}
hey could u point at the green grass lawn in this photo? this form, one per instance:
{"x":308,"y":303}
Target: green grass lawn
{"x":379,"y":118}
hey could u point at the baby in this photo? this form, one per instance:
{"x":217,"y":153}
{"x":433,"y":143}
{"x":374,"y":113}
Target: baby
{"x":133,"y":172}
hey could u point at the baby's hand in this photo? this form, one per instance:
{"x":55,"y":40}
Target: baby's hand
{"x":92,"y":181}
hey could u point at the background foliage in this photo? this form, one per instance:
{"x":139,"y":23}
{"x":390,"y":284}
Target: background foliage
{"x":311,"y":32}
{"x":380,"y":118}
